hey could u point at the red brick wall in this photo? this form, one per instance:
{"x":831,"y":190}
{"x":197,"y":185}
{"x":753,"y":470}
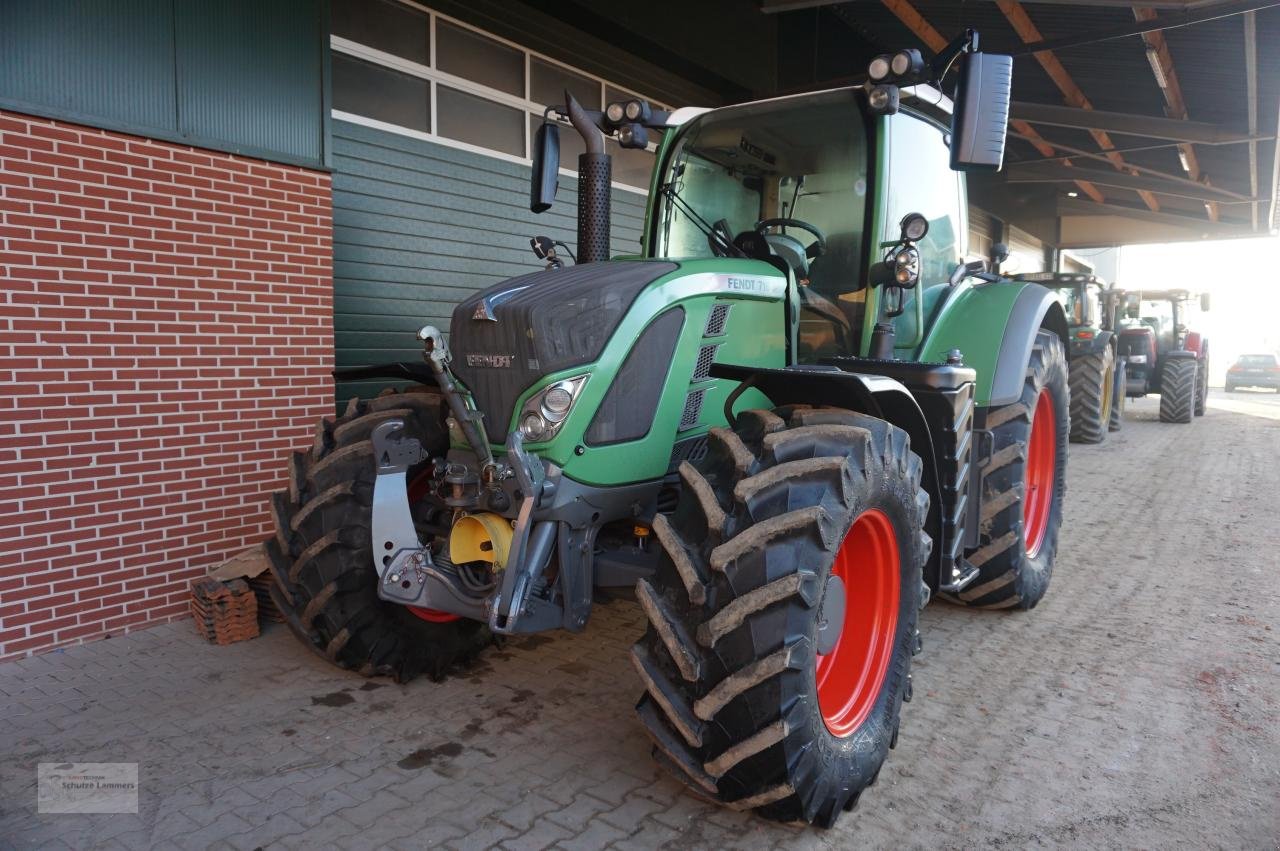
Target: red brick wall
{"x":166,"y":337}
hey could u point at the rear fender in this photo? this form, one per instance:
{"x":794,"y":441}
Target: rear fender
{"x":1195,"y":343}
{"x":994,"y":325}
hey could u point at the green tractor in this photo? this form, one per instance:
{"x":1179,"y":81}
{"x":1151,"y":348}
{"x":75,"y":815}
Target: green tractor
{"x":1097,"y":372}
{"x":788,"y":422}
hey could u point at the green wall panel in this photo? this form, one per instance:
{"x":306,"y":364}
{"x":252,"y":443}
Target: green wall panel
{"x":232,"y":75}
{"x":419,"y":226}
{"x":89,"y":61}
{"x":227,"y":50}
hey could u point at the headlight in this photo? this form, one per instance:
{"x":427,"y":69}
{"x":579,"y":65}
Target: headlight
{"x":1137,"y":358}
{"x":533,"y":427}
{"x":545,"y":411}
{"x":556,"y":402}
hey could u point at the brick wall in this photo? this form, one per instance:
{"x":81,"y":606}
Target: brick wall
{"x":165,"y":339}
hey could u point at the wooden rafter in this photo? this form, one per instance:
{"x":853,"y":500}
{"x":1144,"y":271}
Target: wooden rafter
{"x":1160,"y":55}
{"x":1074,"y":96}
{"x":933,"y":39}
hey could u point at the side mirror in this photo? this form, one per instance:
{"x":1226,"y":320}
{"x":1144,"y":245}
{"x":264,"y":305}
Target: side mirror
{"x":1204,"y":301}
{"x":999,"y":254}
{"x":980,"y":115}
{"x":546,"y":168}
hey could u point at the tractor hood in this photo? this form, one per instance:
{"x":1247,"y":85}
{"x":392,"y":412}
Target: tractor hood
{"x":506,"y":337}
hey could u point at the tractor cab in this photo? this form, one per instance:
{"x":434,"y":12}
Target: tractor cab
{"x":1088,"y":303}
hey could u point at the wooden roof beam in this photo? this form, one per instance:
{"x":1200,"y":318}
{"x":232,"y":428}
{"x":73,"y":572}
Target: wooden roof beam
{"x":933,"y":39}
{"x":1162,"y":67}
{"x":1074,"y":96}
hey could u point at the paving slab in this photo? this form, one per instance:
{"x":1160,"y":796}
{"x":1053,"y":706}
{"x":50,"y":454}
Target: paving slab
{"x":1137,"y":706}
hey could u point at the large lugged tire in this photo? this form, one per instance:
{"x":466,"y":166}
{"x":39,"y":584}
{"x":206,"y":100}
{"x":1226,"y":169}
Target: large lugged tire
{"x":1202,"y":386}
{"x":1091,"y":380}
{"x":322,"y":560}
{"x":1118,"y":400}
{"x":1023,"y":486}
{"x":785,"y":511}
{"x":1177,"y":390}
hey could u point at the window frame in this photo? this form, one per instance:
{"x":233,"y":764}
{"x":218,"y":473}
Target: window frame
{"x":436,"y":77}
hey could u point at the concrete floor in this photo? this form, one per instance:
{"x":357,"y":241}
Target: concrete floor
{"x":1138,"y":706}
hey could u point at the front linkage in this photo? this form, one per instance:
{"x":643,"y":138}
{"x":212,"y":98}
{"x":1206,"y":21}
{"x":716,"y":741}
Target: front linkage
{"x":513,"y":512}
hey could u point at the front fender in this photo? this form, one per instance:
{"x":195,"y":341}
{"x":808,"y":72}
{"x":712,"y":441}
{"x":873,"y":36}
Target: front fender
{"x":994,"y":326}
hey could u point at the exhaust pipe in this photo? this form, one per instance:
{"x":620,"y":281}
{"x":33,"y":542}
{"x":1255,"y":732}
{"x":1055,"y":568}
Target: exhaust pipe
{"x":595,"y":174}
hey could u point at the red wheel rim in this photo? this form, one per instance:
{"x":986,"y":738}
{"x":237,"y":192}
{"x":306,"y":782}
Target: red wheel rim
{"x":850,"y":676}
{"x":418,"y":489}
{"x":1042,"y":456}
{"x":434,"y":615}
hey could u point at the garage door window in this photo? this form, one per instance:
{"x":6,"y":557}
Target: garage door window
{"x":404,"y":68}
{"x":480,"y":122}
{"x":469,"y":55}
{"x":385,"y":25}
{"x":380,"y":92}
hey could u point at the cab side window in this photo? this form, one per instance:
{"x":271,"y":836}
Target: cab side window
{"x":921,"y":181}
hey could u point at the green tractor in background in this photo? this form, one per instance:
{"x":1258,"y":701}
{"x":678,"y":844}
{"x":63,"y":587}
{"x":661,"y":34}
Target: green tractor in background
{"x":789,"y":421}
{"x":1097,"y":372}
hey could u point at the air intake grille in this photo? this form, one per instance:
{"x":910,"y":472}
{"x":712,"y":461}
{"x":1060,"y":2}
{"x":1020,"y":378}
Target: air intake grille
{"x":706,"y":357}
{"x":692,"y":409}
{"x":717,"y":320}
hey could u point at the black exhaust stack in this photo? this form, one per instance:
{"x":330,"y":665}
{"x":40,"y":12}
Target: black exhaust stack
{"x":595,"y":174}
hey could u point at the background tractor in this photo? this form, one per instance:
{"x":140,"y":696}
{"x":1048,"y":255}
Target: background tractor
{"x":784,"y":425}
{"x":1162,"y":355}
{"x":1097,"y":372}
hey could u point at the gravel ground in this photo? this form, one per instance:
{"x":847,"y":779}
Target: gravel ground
{"x":1137,"y":706}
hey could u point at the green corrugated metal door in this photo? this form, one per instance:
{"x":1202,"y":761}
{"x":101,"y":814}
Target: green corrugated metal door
{"x":417,"y":226}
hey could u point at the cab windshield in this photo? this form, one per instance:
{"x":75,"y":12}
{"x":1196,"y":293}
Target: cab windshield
{"x":800,"y":159}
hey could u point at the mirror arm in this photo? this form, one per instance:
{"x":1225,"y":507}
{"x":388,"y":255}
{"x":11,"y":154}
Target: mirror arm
{"x":966,"y":42}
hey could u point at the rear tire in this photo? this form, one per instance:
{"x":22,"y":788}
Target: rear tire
{"x":1178,"y":384}
{"x":1020,"y":534}
{"x":1121,"y":397}
{"x":321,"y":555}
{"x":1092,"y":379}
{"x":742,"y":599}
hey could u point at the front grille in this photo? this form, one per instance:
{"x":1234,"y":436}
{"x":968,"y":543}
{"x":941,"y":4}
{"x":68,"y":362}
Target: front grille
{"x":717,"y":321}
{"x":706,"y":357}
{"x":627,"y":410}
{"x":692,"y":409}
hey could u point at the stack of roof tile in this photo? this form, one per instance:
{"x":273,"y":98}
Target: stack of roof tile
{"x":267,"y":610}
{"x":224,"y":612}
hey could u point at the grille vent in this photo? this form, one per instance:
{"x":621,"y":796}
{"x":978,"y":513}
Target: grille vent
{"x":692,"y":409}
{"x":693,"y":450}
{"x":706,"y":357}
{"x":717,"y":321}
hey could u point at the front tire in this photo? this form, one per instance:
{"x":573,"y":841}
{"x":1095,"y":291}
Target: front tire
{"x":1023,"y":487}
{"x":1092,"y":379}
{"x":781,"y":516}
{"x":321,"y":555}
{"x":1178,"y":384}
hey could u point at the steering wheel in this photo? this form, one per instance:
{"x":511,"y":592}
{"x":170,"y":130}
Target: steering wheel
{"x":816,"y":249}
